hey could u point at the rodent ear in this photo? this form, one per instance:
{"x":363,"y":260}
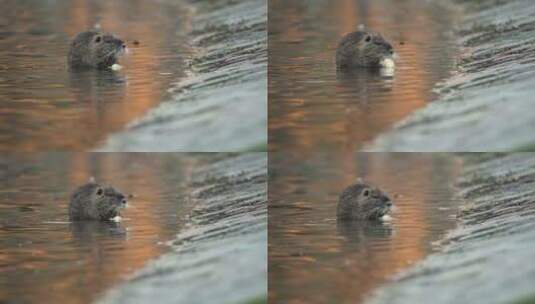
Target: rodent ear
{"x":99,"y":191}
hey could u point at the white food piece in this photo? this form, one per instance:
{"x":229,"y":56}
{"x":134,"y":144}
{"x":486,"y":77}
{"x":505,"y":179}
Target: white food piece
{"x":387,"y":72}
{"x":117,"y":219}
{"x":386,"y":218}
{"x":116,"y":67}
{"x":388,"y":63}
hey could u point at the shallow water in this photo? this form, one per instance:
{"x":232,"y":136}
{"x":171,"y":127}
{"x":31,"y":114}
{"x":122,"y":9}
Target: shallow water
{"x":489,"y":257}
{"x":314,"y":259}
{"x":221,"y":105}
{"x":223,"y":246}
{"x":487,"y":105}
{"x":311,"y":105}
{"x":44,"y":106}
{"x":43,"y":256}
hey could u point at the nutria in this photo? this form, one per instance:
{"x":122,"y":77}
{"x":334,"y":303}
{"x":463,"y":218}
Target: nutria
{"x":363,"y":49}
{"x":93,"y":49}
{"x":362,"y":202}
{"x":95,"y":202}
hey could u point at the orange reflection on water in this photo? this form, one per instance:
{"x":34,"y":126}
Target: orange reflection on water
{"x":77,"y":111}
{"x":148,"y":93}
{"x":75,"y":263}
{"x":346,"y":111}
{"x":314,"y":259}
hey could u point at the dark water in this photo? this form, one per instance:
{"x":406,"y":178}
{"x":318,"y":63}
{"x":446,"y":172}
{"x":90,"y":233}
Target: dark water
{"x":314,"y":259}
{"x":44,"y":258}
{"x":44,"y":106}
{"x":313,"y":106}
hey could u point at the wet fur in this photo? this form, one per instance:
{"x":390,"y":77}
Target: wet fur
{"x":85,"y":52}
{"x":95,"y":202}
{"x":354,"y":51}
{"x":354,"y":205}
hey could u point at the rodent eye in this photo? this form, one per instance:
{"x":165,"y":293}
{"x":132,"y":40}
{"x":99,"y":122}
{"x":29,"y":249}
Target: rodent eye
{"x":98,"y":39}
{"x":366,"y":193}
{"x":100,"y":191}
{"x":368,"y":38}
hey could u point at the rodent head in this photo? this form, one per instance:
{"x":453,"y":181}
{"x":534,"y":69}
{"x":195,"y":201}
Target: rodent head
{"x":363,"y":48}
{"x":96,"y":49}
{"x":106,"y":202}
{"x":363,"y":202}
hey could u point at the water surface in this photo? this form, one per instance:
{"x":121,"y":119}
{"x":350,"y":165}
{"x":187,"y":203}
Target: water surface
{"x":489,"y":257}
{"x":487,"y":105}
{"x":315,"y":259}
{"x":44,"y":106}
{"x":313,"y":106}
{"x":221,"y":105}
{"x":43,"y":256}
{"x":221,"y":254}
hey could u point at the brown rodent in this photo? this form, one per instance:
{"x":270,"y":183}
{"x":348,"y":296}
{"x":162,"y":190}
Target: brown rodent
{"x":361,"y":201}
{"x":362,"y":49}
{"x":95,"y":202}
{"x":94,"y":49}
